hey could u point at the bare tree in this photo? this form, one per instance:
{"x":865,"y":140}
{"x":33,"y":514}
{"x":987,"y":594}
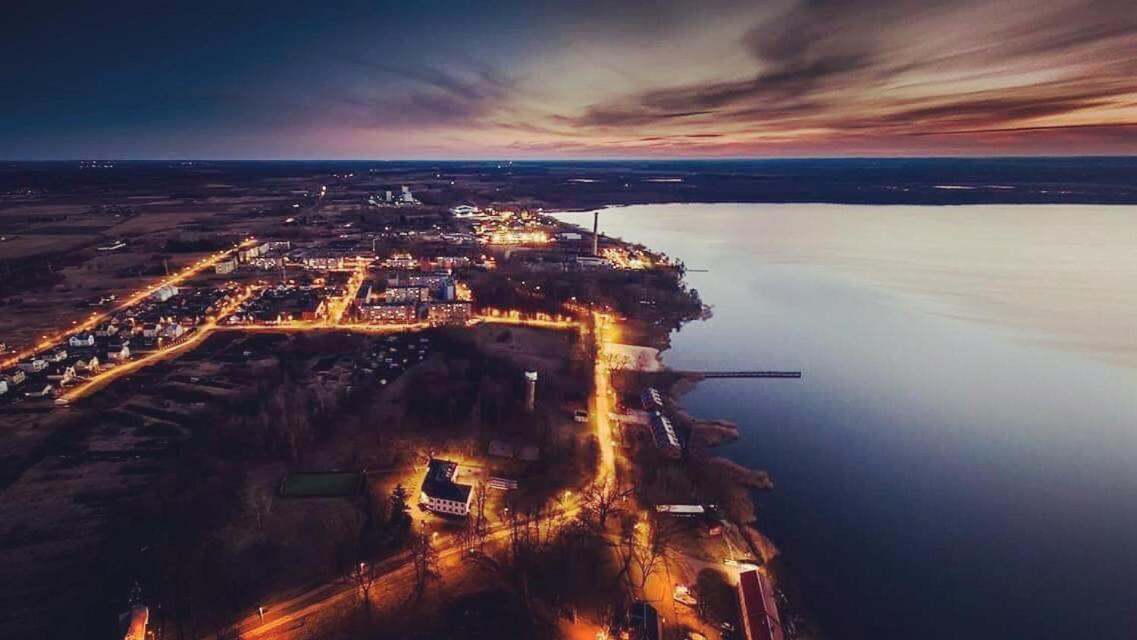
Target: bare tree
{"x":481,"y":524}
{"x":425,"y":559}
{"x":600,"y":501}
{"x":363,"y":576}
{"x":258,"y":500}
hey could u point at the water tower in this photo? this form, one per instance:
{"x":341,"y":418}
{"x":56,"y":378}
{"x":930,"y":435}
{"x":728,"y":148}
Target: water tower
{"x":530,"y":390}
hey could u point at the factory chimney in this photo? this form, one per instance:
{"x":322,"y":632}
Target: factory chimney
{"x":595,"y":233}
{"x":530,"y":390}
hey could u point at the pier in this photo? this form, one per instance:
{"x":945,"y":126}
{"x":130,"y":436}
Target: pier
{"x":748,"y":374}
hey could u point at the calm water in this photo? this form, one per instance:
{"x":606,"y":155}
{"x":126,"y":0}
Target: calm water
{"x":959,"y":459}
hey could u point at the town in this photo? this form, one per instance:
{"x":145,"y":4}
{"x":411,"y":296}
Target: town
{"x":459,"y":392}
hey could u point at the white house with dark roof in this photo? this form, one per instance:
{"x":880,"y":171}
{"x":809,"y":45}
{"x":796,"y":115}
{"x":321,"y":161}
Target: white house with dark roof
{"x":439,"y":491}
{"x":81,"y":340}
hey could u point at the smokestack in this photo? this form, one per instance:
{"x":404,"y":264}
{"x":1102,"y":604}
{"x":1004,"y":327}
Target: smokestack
{"x":595,"y":233}
{"x":530,"y":390}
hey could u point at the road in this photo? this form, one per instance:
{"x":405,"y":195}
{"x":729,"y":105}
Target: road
{"x":102,"y":379}
{"x":601,"y":407}
{"x":95,"y":319}
{"x":281,"y":618}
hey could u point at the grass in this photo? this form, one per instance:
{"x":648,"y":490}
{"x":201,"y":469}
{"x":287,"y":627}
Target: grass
{"x":321,"y":484}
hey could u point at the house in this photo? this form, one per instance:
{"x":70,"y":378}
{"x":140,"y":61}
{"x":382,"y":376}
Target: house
{"x":62,"y":374}
{"x":439,"y":491}
{"x":759,"y":611}
{"x":57,"y":356}
{"x":39,"y":391}
{"x":89,"y":364}
{"x":173,"y":331}
{"x":150,"y":330}
{"x":14,"y":377}
{"x":164,"y":293}
{"x":3,"y":387}
{"x":35,"y":365}
{"x":81,"y":340}
{"x":107,"y":331}
{"x":118,"y":351}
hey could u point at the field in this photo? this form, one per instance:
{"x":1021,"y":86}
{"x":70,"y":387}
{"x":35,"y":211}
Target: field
{"x":320,"y":484}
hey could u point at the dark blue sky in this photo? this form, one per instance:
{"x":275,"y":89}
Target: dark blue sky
{"x":570,"y":79}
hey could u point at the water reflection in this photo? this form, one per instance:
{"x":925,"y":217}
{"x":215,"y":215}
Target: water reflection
{"x":937,"y":477}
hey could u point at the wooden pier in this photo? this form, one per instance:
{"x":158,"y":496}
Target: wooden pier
{"x":748,"y":374}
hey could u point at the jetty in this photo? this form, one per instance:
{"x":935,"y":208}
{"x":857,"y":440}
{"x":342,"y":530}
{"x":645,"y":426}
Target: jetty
{"x":747,"y":374}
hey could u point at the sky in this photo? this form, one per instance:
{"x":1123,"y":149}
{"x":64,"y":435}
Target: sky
{"x":580,"y":79}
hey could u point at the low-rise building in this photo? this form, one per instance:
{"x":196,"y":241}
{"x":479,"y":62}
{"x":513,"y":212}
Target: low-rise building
{"x":651,"y":399}
{"x":664,"y":437}
{"x":14,"y":377}
{"x":173,"y":331}
{"x":758,"y":609}
{"x":61,"y":374}
{"x":440,"y":493}
{"x":164,"y":293}
{"x":225,"y":266}
{"x":40,"y":391}
{"x":81,"y":340}
{"x":34,"y":365}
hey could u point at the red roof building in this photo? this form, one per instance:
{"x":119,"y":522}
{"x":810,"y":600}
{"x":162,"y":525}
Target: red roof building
{"x":760,"y":619}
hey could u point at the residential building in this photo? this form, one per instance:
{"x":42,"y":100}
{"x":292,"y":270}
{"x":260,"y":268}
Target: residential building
{"x":651,"y":399}
{"x":449,"y":312}
{"x":39,"y":391}
{"x":440,"y":493}
{"x":225,"y":266}
{"x":406,"y":294}
{"x":14,"y":377}
{"x":61,"y":374}
{"x":396,"y":313}
{"x":35,"y":365}
{"x":164,"y":293}
{"x":663,"y":435}
{"x":81,"y":340}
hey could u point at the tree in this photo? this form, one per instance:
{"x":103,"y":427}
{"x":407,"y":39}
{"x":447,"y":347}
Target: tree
{"x":363,"y":576}
{"x":481,"y":523}
{"x":259,"y":503}
{"x":600,"y":501}
{"x":400,"y":518}
{"x":425,"y":559}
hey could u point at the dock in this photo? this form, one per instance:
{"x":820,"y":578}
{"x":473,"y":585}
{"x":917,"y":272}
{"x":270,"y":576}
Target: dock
{"x":747,"y":374}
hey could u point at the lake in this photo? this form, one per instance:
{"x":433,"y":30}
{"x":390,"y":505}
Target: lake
{"x":958,"y":460}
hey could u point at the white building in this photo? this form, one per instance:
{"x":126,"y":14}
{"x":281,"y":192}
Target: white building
{"x":439,"y":491}
{"x":225,"y":266}
{"x":80,"y":340}
{"x":164,"y":293}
